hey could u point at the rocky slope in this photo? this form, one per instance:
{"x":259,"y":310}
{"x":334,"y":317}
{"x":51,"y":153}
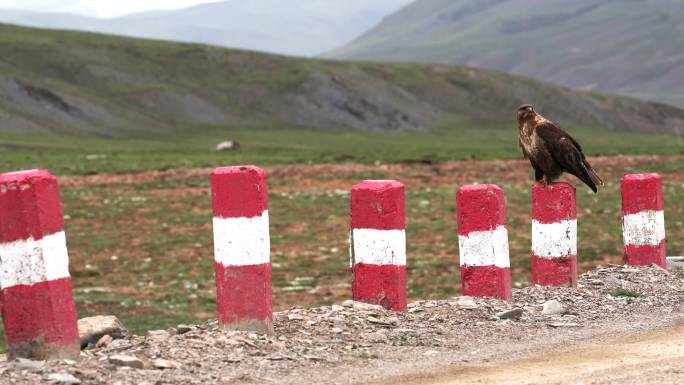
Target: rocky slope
{"x":629,"y":47}
{"x":356,"y":342}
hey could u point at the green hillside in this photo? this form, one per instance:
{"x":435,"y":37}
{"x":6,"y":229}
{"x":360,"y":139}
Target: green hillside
{"x":84,"y":103}
{"x":627,"y":47}
{"x":80,"y":83}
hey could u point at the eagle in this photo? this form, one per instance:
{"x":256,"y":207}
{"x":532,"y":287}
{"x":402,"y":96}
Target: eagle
{"x":551,"y":150}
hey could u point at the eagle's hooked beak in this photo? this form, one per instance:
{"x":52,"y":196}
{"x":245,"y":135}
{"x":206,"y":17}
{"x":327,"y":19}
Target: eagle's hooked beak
{"x":525,"y":111}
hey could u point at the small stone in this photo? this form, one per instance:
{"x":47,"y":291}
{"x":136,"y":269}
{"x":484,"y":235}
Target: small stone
{"x":552,"y":307}
{"x":159,"y":335}
{"x":129,"y":361}
{"x":430,"y":353}
{"x":337,"y":330}
{"x":512,"y":314}
{"x":337,"y":308}
{"x":182,"y":329}
{"x":367,"y":306}
{"x":465,"y":302}
{"x":91,"y":329}
{"x":348,"y":303}
{"x":104,"y":341}
{"x":63,"y":378}
{"x":162,"y":364}
{"x":30,"y":365}
{"x":564,"y":325}
{"x":295,"y":317}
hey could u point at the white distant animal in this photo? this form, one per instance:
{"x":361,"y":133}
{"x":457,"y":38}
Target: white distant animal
{"x":230,"y":145}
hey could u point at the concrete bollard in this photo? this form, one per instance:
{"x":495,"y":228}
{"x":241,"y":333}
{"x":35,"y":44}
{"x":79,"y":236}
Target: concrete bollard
{"x":554,"y":235}
{"x":38,"y":309}
{"x":378,"y":243}
{"x":242,"y":249}
{"x":644,"y":219}
{"x":483,"y":241}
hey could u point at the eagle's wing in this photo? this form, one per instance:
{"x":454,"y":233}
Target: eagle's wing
{"x":567,"y":153}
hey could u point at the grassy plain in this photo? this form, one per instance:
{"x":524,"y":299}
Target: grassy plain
{"x":138,"y":219}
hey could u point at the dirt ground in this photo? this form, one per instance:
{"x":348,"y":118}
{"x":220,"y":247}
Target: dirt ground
{"x":655,"y":357}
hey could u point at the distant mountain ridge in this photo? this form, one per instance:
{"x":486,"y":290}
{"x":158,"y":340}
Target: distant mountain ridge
{"x":629,"y":47}
{"x":293,"y":27}
{"x":97,"y":85}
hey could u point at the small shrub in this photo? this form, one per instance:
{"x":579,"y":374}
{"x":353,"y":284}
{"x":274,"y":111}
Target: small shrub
{"x":622,"y":292}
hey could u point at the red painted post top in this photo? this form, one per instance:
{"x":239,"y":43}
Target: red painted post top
{"x":553,"y":203}
{"x":378,"y":204}
{"x":641,"y":192}
{"x":239,"y":192}
{"x":480,"y":208}
{"x":29,"y":205}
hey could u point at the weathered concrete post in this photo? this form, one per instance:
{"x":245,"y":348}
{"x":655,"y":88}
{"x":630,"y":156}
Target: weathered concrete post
{"x":483,"y":241}
{"x":554,"y":235}
{"x":38,"y":309}
{"x":242,"y":248}
{"x":644,"y":219}
{"x":378,"y":243}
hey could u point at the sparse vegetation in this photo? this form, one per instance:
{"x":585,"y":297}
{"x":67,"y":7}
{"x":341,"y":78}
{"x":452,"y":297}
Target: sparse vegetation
{"x":623,"y":292}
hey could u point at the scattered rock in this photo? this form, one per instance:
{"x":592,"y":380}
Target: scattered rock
{"x":124,"y":360}
{"x":159,"y":335}
{"x":30,"y":365}
{"x":552,"y":307}
{"x":91,"y":329}
{"x":563,"y":325}
{"x":675,"y":263}
{"x":465,"y":302}
{"x":295,"y":317}
{"x":105,"y":341}
{"x":63,"y":378}
{"x":182,"y":329}
{"x":163,"y":364}
{"x":366,"y":306}
{"x":354,"y":332}
{"x":512,"y":314}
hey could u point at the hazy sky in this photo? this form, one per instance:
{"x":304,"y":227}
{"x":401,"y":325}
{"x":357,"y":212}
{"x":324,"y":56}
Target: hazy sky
{"x":113,"y":8}
{"x":100,"y":8}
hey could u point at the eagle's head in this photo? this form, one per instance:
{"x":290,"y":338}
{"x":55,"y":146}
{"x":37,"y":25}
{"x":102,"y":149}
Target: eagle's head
{"x":526,"y":111}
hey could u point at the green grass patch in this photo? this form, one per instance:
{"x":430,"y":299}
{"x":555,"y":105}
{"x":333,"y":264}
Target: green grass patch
{"x":622,"y":292}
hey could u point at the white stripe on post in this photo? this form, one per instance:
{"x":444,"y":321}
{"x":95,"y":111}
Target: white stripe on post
{"x":379,"y":247}
{"x":485,"y":248}
{"x":242,"y":241}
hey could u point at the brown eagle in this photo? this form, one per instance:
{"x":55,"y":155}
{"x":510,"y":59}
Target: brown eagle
{"x":551,"y":150}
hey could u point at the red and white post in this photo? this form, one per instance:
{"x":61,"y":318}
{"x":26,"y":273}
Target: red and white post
{"x":643,"y":224}
{"x":38,"y":309}
{"x":242,"y":248}
{"x":554,"y":235}
{"x":483,"y":241}
{"x":378,"y":243}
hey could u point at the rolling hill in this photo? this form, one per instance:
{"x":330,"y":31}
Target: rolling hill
{"x":629,"y":47}
{"x":90,"y":84}
{"x":294,"y":27}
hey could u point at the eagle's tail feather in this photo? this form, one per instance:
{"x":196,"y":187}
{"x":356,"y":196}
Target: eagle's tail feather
{"x":593,"y":175}
{"x":590,"y":177}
